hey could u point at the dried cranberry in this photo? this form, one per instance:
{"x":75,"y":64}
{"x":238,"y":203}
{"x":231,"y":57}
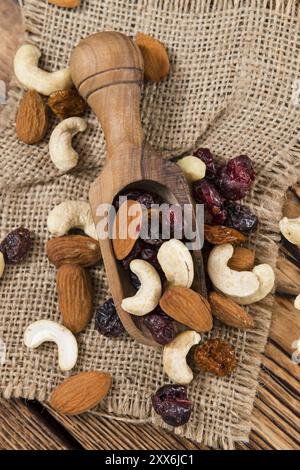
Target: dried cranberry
{"x":16,"y":245}
{"x":135,"y":280}
{"x":172,"y":404}
{"x":207,"y":157}
{"x":135,"y":253}
{"x":236,"y":177}
{"x":206,"y":193}
{"x":107,"y":320}
{"x":149,"y":253}
{"x":160,"y":325}
{"x":240,"y":217}
{"x":147,"y":198}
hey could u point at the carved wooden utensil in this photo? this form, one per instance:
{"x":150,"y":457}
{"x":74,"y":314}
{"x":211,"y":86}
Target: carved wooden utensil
{"x":107,"y":69}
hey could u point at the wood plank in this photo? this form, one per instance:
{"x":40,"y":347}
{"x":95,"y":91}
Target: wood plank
{"x":24,"y":427}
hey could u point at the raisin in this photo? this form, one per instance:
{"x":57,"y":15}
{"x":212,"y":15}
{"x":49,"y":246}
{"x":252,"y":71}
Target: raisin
{"x":206,"y":193}
{"x":135,"y":253}
{"x":207,"y":157}
{"x":107,"y":320}
{"x":16,"y":245}
{"x":149,"y":253}
{"x":173,"y":222}
{"x":160,"y":325}
{"x":146,"y":198}
{"x":66,"y":103}
{"x":215,"y":356}
{"x":240,"y":217}
{"x":135,"y":280}
{"x":172,"y":404}
{"x":236,"y":177}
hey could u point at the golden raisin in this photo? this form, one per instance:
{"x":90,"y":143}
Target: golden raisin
{"x":66,"y":103}
{"x":215,"y":356}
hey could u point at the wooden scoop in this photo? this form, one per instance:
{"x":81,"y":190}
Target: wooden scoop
{"x":107,"y":69}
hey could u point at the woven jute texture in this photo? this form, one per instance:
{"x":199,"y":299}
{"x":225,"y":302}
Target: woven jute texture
{"x":233,"y":65}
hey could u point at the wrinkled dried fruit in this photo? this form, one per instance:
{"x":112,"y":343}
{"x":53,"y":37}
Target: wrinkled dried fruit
{"x":146,"y":198}
{"x":236,"y":177}
{"x":16,"y":245}
{"x":207,"y":157}
{"x":160,"y":325}
{"x":32,"y":118}
{"x":219,"y":234}
{"x":240,"y":217}
{"x":66,"y":103}
{"x":156,"y":60}
{"x":149,"y":253}
{"x":134,"y":280}
{"x":107,"y":320}
{"x":215,"y":356}
{"x":172,"y":404}
{"x":135,"y":253}
{"x":206,"y":193}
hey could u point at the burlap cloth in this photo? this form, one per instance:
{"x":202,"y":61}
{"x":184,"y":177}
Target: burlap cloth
{"x":230,"y":88}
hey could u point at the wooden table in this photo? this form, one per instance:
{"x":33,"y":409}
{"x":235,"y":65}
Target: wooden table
{"x":30,"y":425}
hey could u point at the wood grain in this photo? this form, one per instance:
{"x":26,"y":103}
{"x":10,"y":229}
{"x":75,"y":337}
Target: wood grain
{"x":275,"y":418}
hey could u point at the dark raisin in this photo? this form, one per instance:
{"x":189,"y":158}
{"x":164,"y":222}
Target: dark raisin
{"x":236,"y":177}
{"x":107,"y":320}
{"x":149,"y":253}
{"x":160,"y":325}
{"x":172,"y":404}
{"x":206,"y":193}
{"x":16,"y":245}
{"x":172,"y":222}
{"x":147,"y":198}
{"x":135,"y":280}
{"x":135,"y":253}
{"x":240,"y":217}
{"x":207,"y":157}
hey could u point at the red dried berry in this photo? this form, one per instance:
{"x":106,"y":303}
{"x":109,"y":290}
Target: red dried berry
{"x":146,"y":198}
{"x":207,"y":157}
{"x":206,"y":193}
{"x":172,"y":404}
{"x":160,"y":325}
{"x":107,"y":320}
{"x":149,"y":253}
{"x":16,"y":245}
{"x":240,"y":217}
{"x":236,"y":177}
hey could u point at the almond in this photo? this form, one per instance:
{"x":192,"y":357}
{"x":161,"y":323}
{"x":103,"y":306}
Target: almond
{"x":156,"y":60}
{"x":74,"y":296}
{"x":32,"y":118}
{"x":242,"y":259}
{"x":66,"y":3}
{"x":127,"y":228}
{"x":229,"y":312}
{"x":80,"y":392}
{"x":187,"y":307}
{"x":73,"y":249}
{"x":219,"y":234}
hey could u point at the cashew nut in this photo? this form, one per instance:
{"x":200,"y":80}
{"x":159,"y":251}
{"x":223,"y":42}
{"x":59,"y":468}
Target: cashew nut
{"x":46,"y":330}
{"x":33,"y":78}
{"x":245,"y":287}
{"x":71,"y":214}
{"x":193,"y":168}
{"x":174,"y":357}
{"x":2,"y":264}
{"x":148,"y":295}
{"x":297,"y":302}
{"x":61,"y":151}
{"x":290,"y":229}
{"x":176,"y":262}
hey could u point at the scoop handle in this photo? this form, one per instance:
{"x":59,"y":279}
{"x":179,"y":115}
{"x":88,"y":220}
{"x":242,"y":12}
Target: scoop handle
{"x":107,"y":69}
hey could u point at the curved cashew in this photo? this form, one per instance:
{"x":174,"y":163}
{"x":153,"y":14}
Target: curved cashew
{"x":33,"y":78}
{"x":148,"y":295}
{"x":46,"y":330}
{"x":297,"y":302}
{"x":71,"y":214}
{"x":230,"y":282}
{"x":61,"y":151}
{"x":176,"y":262}
{"x":2,"y":264}
{"x":174,"y":357}
{"x":193,"y":168}
{"x":290,"y":229}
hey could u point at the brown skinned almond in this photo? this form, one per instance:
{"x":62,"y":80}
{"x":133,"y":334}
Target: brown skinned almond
{"x":74,"y":296}
{"x":32,"y":118}
{"x":242,"y":259}
{"x":219,"y":234}
{"x":156,"y":60}
{"x":73,"y":249}
{"x":80,"y":393}
{"x":187,"y":307}
{"x":229,"y":312}
{"x":127,"y":227}
{"x":66,"y":3}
